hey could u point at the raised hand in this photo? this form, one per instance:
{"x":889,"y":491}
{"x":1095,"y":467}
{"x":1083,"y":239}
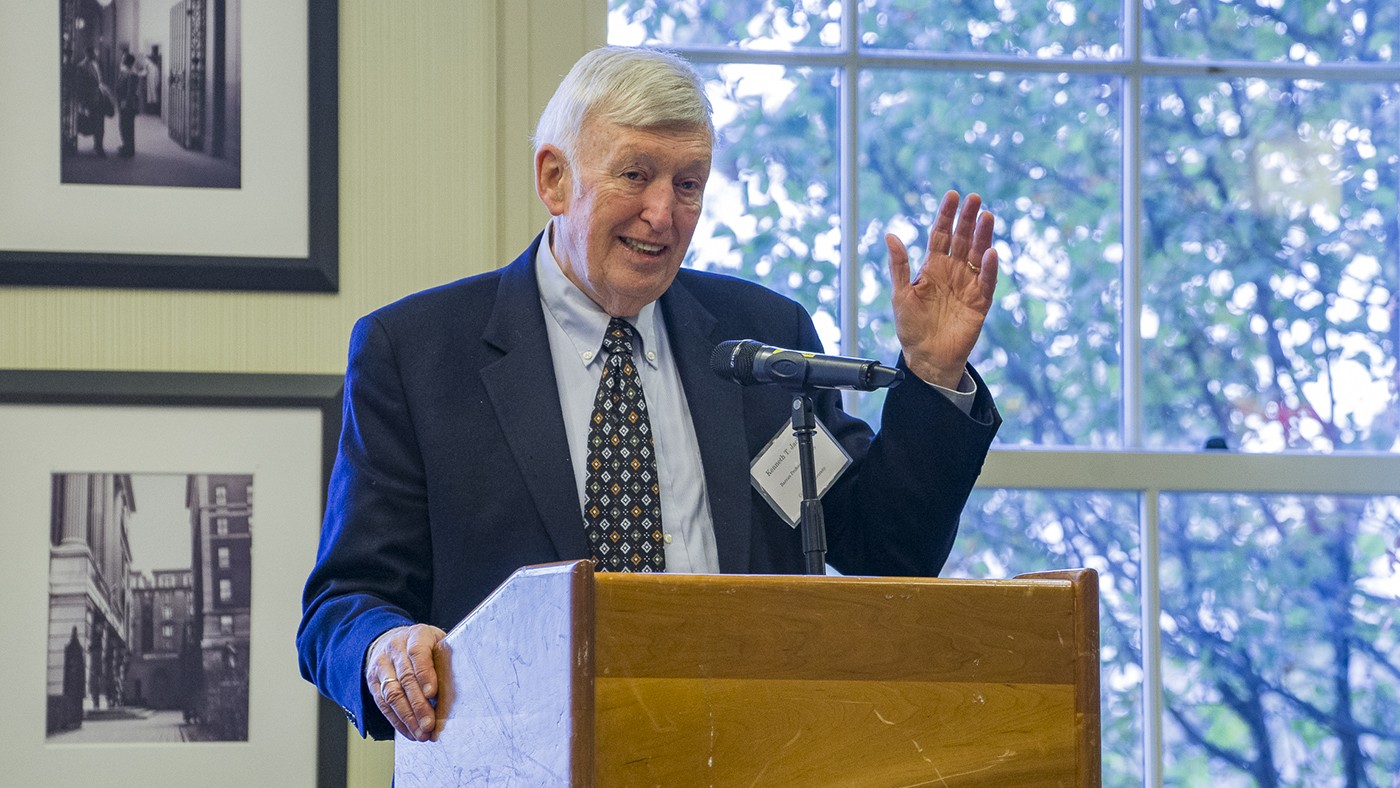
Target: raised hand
{"x":939,"y":315}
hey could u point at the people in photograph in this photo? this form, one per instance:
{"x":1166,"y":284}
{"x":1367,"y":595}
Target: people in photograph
{"x":130,"y":82}
{"x":153,"y":77}
{"x":92,"y":97}
{"x":468,"y":406}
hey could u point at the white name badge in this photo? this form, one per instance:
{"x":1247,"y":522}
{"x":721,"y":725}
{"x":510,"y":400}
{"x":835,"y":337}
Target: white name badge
{"x":776,"y":471}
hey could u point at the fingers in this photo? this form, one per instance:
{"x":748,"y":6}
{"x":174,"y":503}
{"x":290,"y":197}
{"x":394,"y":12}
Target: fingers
{"x":961,"y":246}
{"x":964,"y":236}
{"x":402,"y":680}
{"x":899,"y":262}
{"x":987,"y":277}
{"x":982,"y":236}
{"x":940,"y":238}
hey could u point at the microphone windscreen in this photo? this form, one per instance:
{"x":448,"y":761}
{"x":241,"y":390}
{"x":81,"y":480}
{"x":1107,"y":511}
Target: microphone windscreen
{"x":733,"y":360}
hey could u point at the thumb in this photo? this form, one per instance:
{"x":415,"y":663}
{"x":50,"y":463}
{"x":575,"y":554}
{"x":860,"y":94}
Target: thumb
{"x":899,"y":262}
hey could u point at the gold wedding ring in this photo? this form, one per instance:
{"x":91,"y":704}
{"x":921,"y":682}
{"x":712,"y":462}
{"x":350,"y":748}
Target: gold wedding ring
{"x":384,"y":681}
{"x":976,"y":269}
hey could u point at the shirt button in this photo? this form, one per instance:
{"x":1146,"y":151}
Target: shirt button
{"x":667,"y":537}
{"x":587,"y":355}
{"x":651,"y":355}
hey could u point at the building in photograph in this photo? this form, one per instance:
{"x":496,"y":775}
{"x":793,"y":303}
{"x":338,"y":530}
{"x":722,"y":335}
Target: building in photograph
{"x":89,"y":601}
{"x":164,"y":662}
{"x":220,"y":509}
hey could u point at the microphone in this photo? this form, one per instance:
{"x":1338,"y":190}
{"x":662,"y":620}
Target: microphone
{"x":749,"y":362}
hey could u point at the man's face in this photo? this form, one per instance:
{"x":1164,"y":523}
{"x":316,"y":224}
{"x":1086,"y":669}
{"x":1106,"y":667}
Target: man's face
{"x":625,"y":209}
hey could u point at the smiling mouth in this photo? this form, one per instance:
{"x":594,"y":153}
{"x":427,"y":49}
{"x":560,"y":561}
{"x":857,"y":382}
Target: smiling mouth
{"x":643,"y":248}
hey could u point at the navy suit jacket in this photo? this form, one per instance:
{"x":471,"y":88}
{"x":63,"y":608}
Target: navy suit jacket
{"x":453,"y":468}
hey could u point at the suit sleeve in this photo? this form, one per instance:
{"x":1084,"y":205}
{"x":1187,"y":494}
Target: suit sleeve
{"x":895,"y":511}
{"x":373,"y":565}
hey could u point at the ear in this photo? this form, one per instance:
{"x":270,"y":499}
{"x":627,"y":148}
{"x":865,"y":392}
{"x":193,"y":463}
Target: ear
{"x":552,"y":179}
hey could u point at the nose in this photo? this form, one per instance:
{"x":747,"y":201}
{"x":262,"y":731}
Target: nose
{"x":658,"y":205}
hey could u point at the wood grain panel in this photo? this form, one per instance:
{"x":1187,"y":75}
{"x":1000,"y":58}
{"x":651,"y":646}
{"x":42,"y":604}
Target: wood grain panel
{"x":836,"y":628}
{"x":732,"y":732}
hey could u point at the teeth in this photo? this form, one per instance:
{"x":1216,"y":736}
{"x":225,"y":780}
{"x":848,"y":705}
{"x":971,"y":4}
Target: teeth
{"x":643,"y":247}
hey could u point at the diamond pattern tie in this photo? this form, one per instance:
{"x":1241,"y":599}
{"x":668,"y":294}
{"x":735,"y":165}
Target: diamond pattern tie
{"x":622,"y":505}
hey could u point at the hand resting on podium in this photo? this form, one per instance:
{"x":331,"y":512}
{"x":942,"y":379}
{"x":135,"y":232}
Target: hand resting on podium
{"x":400,"y":675}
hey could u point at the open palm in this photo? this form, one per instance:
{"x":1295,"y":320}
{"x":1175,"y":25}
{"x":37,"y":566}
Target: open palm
{"x":939,"y":315}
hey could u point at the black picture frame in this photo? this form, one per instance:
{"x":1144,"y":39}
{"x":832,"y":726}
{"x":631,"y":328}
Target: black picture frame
{"x":117,"y":393}
{"x":316,"y":272}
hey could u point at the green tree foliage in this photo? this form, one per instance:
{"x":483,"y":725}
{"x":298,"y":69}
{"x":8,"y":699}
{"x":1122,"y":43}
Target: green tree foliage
{"x":1043,"y":151}
{"x":1271,"y":226}
{"x":1310,"y":31}
{"x":1034,"y":28}
{"x":1281,"y":651}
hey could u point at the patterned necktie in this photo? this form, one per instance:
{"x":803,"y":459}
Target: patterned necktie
{"x":622,"y":507}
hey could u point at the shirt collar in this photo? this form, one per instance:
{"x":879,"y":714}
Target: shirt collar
{"x":582,"y":320}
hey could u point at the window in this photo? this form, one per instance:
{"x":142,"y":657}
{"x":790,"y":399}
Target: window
{"x":225,"y":590}
{"x":221,"y":494}
{"x":1199,"y":236}
{"x":167,"y":631}
{"x":225,"y":625}
{"x":221,"y":526}
{"x":223,"y":558}
{"x":166,"y":612}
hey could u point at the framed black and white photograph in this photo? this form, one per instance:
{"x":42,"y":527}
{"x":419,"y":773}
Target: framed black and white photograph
{"x":159,"y":529}
{"x":161,"y":656}
{"x":183,"y":143}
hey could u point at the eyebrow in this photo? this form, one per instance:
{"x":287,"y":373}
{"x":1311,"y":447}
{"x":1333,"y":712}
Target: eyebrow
{"x":633,"y":152}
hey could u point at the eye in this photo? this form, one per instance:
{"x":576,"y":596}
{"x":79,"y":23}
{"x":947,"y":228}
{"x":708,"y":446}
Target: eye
{"x":633,"y":175}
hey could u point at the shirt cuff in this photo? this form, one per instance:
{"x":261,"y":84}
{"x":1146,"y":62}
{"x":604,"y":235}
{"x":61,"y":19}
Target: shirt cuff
{"x":963,"y":396}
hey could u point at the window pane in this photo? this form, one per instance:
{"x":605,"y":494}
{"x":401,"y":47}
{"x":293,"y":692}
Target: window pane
{"x":1281,"y":655}
{"x":772,"y":205}
{"x":1032,"y":28}
{"x":1271,"y":251}
{"x":1272,"y":30}
{"x":755,"y":24}
{"x":1009,"y":532}
{"x":1043,"y":151}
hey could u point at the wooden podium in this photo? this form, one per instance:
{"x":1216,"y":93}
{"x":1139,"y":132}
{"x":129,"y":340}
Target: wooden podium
{"x":567,"y":677}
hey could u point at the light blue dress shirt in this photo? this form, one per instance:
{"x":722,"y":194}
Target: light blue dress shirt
{"x":575,"y":325}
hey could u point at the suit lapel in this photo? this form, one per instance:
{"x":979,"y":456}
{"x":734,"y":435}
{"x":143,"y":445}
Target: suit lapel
{"x":713,"y":404}
{"x":525,"y":395}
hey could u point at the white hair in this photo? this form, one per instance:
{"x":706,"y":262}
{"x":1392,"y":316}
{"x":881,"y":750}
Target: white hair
{"x":638,"y":88}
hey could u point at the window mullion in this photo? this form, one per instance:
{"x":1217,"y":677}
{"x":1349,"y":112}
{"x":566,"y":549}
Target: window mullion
{"x":1151,"y":601}
{"x":1149,"y":556}
{"x":1131,"y":416}
{"x":849,"y":75}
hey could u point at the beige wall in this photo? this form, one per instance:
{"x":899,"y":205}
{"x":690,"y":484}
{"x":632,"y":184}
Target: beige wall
{"x":437,"y":100}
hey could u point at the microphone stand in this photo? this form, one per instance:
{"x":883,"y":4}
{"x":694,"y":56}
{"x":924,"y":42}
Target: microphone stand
{"x":813,"y":522}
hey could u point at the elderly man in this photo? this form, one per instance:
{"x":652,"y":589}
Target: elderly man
{"x":479,"y":415}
